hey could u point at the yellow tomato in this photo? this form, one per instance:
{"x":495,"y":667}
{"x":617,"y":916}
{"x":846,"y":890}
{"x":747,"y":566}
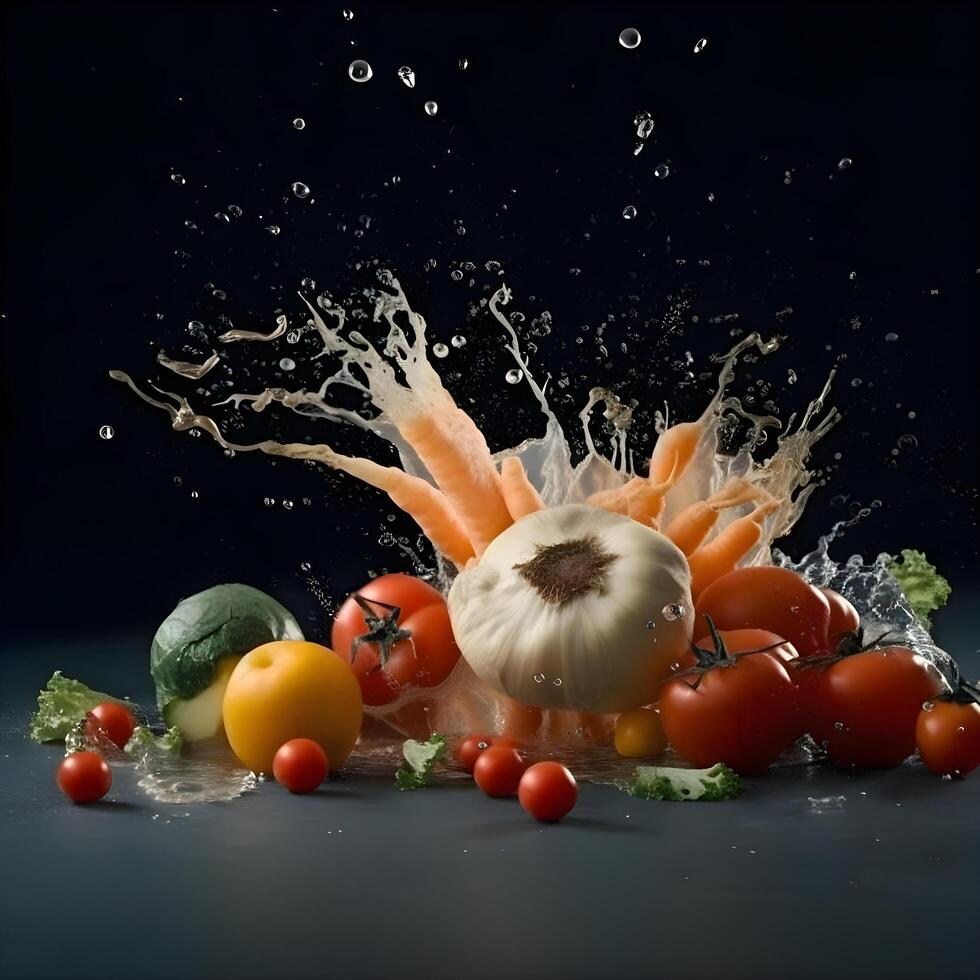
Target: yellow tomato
{"x":639,"y":733}
{"x":291,"y":689}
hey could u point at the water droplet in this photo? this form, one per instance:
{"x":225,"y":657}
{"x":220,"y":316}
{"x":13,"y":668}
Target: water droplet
{"x":292,"y":337}
{"x":629,"y":212}
{"x":269,"y":501}
{"x":960,"y":729}
{"x":360,"y":70}
{"x":348,"y":15}
{"x":272,"y":229}
{"x":700,"y":45}
{"x":287,"y":364}
{"x":300,"y":189}
{"x":514,"y":375}
{"x":299,"y":123}
{"x":106,"y":432}
{"x":306,"y":501}
{"x":644,"y":124}
{"x":539,"y":678}
{"x":287,"y":505}
{"x":194,"y":494}
{"x":440,"y":350}
{"x":431,"y":108}
{"x":458,"y":341}
{"x":791,"y":377}
{"x":638,"y":148}
{"x":711,"y":197}
{"x":651,"y":625}
{"x":856,"y":382}
{"x":407,"y":76}
{"x":838,"y":726}
{"x":661,"y":170}
{"x":557,"y":683}
{"x":844,"y":163}
{"x":235,"y":211}
{"x":221,"y":216}
{"x":177,"y":481}
{"x":195,"y":433}
{"x":308,"y":284}
{"x":891,"y":336}
{"x":178,"y":178}
{"x":907,"y":441}
{"x":456,"y":275}
{"x":852,"y":275}
{"x":463,"y":64}
{"x":304,"y":566}
{"x":672,"y":611}
{"x":927,"y":706}
{"x":629,"y":38}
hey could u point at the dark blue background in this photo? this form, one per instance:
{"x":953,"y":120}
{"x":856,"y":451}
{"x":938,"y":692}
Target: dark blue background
{"x":104,"y":102}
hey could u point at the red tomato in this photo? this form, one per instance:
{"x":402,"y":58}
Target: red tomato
{"x":300,"y":765}
{"x":843,"y":617}
{"x":115,"y":720}
{"x":498,"y":770}
{"x":768,"y":598}
{"x":470,"y":748}
{"x":547,"y":791}
{"x":865,"y":706}
{"x":948,"y":736}
{"x":423,"y":661}
{"x":741,"y":711}
{"x":84,"y":777}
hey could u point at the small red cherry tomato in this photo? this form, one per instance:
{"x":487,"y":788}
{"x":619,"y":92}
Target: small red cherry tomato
{"x":84,"y":777}
{"x":948,"y":735}
{"x":843,"y":617}
{"x":470,"y":748}
{"x":115,"y":720}
{"x":300,"y":765}
{"x":547,"y":791}
{"x":498,"y":770}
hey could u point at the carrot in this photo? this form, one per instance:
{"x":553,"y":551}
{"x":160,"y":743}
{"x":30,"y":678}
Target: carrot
{"x":420,"y":500}
{"x":691,"y":526}
{"x":723,"y":553}
{"x":674,"y":450}
{"x":519,"y":494}
{"x":454,"y":451}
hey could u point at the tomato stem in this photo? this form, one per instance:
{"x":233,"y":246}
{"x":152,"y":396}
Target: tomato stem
{"x":382,"y":630}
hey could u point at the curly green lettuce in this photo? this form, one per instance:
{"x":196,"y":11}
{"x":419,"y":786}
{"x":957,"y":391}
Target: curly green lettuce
{"x":669,"y":783}
{"x":420,"y":760}
{"x":62,"y":704}
{"x":925,"y":589}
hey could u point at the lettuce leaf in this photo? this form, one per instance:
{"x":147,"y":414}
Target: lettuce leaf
{"x":62,"y":704}
{"x":420,"y":759}
{"x":925,"y":589}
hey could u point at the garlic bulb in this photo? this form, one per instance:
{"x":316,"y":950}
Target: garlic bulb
{"x":574,"y":607}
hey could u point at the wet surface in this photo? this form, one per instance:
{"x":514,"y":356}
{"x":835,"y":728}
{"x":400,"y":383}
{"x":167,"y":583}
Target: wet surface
{"x":810,"y":873}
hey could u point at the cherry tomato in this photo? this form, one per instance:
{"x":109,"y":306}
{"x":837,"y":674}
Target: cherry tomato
{"x":639,"y":733}
{"x":115,"y":720}
{"x":498,"y":770}
{"x":948,"y":736}
{"x":865,"y":706}
{"x":470,"y":748}
{"x":843,"y":617}
{"x":740,"y":711}
{"x":84,"y":777}
{"x":425,"y":660}
{"x":768,"y":598}
{"x":547,"y":791}
{"x":300,"y":765}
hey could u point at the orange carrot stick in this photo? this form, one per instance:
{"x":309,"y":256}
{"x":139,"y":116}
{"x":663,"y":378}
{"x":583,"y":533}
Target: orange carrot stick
{"x":691,"y":526}
{"x":420,"y":500}
{"x":454,"y":451}
{"x":519,"y":494}
{"x":674,"y":450}
{"x":721,"y":555}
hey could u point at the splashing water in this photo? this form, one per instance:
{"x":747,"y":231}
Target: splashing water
{"x":400,"y":384}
